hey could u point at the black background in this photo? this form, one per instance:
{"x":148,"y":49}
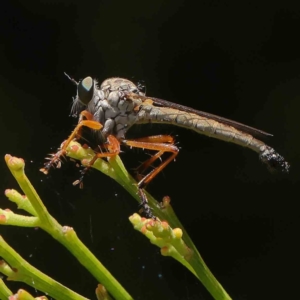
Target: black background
{"x":237,"y":59}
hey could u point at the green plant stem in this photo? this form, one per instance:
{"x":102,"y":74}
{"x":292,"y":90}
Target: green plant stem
{"x":21,"y":201}
{"x":116,"y":170}
{"x":10,"y":218}
{"x":5,"y":292}
{"x":26,"y":273}
{"x":65,"y":235}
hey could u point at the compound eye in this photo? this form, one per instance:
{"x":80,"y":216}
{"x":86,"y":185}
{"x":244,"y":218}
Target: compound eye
{"x":85,"y":90}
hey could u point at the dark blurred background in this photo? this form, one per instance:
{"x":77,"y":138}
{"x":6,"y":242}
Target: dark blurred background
{"x":237,"y":59}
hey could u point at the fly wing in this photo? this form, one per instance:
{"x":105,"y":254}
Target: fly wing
{"x":242,"y":127}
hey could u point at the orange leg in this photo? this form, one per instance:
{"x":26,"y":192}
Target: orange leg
{"x":113,"y":147}
{"x":55,"y":159}
{"x":153,"y":139}
{"x":160,"y":143}
{"x":84,"y":115}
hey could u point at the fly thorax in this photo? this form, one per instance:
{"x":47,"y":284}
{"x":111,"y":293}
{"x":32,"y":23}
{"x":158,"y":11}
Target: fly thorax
{"x":112,"y":109}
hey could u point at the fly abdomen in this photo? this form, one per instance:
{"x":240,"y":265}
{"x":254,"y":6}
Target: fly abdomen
{"x":273,"y":160}
{"x":215,"y":129}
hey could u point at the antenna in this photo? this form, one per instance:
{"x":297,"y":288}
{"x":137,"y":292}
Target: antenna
{"x":73,"y":80}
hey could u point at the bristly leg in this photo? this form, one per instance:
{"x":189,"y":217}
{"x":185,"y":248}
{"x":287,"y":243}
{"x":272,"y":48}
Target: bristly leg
{"x":54,"y":161}
{"x":112,"y":147}
{"x":145,"y":209}
{"x":274,"y":161}
{"x":55,"y":158}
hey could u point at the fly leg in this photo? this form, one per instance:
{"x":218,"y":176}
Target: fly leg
{"x":85,"y":119}
{"x":113,"y":148}
{"x":144,"y":206}
{"x":161,"y":144}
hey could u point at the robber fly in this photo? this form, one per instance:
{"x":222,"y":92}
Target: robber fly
{"x":111,"y":109}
